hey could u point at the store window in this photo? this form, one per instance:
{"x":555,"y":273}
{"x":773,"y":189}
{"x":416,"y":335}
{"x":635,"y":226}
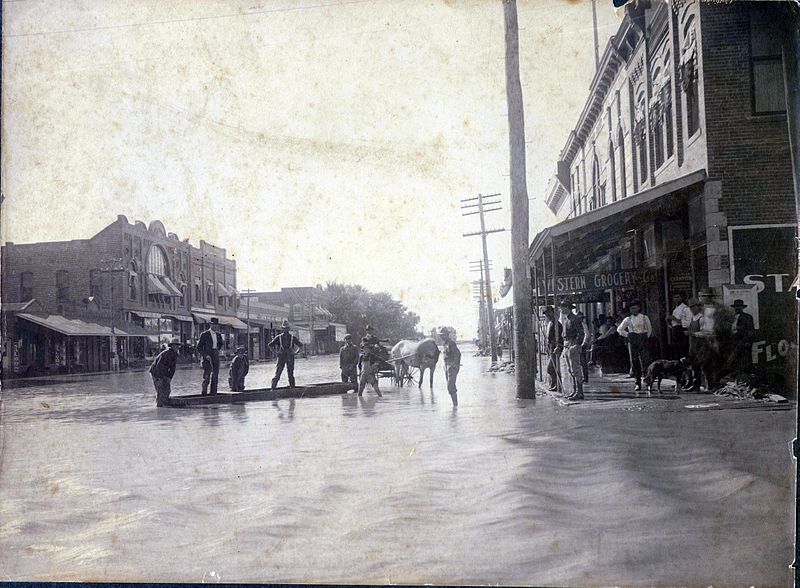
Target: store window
{"x":209,"y":295}
{"x":766,"y":64}
{"x":613,"y":171}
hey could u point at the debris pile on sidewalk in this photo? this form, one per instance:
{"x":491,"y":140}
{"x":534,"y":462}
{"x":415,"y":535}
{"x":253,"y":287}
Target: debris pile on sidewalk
{"x":503,"y":366}
{"x":747,"y":387}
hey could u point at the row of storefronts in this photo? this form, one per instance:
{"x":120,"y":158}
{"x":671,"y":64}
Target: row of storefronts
{"x":678,"y":179}
{"x":113,"y":301}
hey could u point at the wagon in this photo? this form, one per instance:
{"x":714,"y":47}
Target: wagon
{"x":386,"y":368}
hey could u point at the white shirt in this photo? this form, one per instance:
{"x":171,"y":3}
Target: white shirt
{"x":635,"y":324}
{"x":213,"y":340}
{"x":683,"y":314}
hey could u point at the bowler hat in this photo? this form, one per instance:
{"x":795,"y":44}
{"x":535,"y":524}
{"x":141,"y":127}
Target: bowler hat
{"x":175,"y":341}
{"x":214,"y":321}
{"x":739,"y":303}
{"x":566,"y":304}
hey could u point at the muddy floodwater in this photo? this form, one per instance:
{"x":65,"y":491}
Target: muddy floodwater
{"x":96,"y":483}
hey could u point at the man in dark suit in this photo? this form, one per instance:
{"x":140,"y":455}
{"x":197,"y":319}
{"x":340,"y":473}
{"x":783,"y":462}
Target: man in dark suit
{"x":554,"y":334}
{"x":287,"y":346}
{"x":208,"y":347}
{"x":742,"y":329}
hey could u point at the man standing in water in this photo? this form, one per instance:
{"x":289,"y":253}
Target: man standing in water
{"x":162,"y":370}
{"x":287,"y":345}
{"x":208,"y":347}
{"x":348,"y":361}
{"x":452,"y":363}
{"x":368,"y":363}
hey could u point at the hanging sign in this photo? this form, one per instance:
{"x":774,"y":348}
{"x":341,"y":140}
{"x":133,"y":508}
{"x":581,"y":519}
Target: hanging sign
{"x":613,"y":280}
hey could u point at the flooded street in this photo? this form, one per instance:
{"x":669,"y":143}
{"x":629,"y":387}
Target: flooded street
{"x":98,"y":484}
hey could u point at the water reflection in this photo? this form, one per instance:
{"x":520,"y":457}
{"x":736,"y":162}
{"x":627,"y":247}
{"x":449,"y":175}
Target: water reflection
{"x":286,"y":416}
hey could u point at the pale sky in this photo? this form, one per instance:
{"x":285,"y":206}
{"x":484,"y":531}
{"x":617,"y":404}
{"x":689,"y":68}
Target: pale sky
{"x":315,"y":141}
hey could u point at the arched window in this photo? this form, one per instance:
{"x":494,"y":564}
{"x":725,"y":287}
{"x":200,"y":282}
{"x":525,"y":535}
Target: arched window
{"x":688,"y":74}
{"x":622,"y":174}
{"x":209,"y":294}
{"x":198,"y":296}
{"x":640,"y":133}
{"x":157,"y":263}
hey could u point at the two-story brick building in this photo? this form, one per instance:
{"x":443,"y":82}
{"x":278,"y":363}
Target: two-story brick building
{"x":677,"y":176}
{"x":131,"y":284}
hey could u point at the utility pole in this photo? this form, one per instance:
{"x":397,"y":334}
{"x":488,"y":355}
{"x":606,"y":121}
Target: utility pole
{"x":110,"y":269}
{"x":480,"y":295}
{"x":480,"y":209}
{"x":524,"y":367}
{"x":247,"y":292}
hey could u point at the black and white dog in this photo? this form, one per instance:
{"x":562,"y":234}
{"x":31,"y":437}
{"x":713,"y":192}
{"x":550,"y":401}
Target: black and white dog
{"x":664,"y":368}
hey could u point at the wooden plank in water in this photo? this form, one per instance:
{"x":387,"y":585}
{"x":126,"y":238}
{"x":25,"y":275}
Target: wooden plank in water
{"x":262,"y":394}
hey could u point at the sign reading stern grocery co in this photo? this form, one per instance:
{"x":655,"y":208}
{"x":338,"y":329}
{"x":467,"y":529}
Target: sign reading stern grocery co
{"x":619,"y":279}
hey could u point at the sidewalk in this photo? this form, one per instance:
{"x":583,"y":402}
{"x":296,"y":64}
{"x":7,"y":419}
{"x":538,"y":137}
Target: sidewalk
{"x":616,"y":390}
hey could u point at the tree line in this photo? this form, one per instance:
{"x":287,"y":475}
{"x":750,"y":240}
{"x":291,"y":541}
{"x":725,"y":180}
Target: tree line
{"x":357,"y":307}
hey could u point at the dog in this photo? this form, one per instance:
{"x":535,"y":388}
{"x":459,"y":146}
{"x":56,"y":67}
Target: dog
{"x":664,"y":368}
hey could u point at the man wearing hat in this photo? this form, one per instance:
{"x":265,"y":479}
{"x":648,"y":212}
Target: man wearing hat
{"x":287,"y":345}
{"x":452,"y":363}
{"x":348,"y":361}
{"x":678,"y":322}
{"x":162,"y":370}
{"x":555,"y":334}
{"x":742,"y":329}
{"x":696,"y":345}
{"x":208,"y":347}
{"x":576,"y":335}
{"x":239,"y":368}
{"x":637,"y":329}
{"x":716,"y":333}
{"x":370,"y":337}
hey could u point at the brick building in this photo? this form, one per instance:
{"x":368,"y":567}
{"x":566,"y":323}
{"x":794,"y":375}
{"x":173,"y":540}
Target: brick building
{"x":309,"y":317}
{"x":677,"y":176}
{"x":130,"y":285}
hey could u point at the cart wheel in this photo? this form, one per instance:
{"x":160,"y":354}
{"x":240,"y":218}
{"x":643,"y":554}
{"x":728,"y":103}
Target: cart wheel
{"x":411,"y":376}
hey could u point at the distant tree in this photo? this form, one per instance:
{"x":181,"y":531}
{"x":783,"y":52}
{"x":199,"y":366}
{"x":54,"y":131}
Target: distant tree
{"x":357,"y":307}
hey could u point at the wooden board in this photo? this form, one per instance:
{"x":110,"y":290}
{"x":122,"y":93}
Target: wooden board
{"x":261,"y":394}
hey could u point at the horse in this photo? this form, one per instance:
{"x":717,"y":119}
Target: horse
{"x":419,"y":354}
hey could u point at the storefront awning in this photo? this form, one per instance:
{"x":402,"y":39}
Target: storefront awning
{"x":154,"y":286}
{"x":222,"y":290}
{"x":616,"y":212}
{"x":174,"y":290}
{"x":145,"y":314}
{"x":582,"y":242}
{"x":177,"y":317}
{"x":231,"y":321}
{"x":79,"y":328}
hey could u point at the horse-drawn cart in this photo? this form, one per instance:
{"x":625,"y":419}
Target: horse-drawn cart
{"x":387,"y":367}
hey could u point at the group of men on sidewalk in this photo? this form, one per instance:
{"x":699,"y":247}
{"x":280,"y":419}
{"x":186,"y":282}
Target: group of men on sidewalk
{"x":712,"y":339}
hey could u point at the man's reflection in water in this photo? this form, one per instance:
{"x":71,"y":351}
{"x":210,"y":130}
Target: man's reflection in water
{"x":239,"y":412}
{"x":367,"y":404}
{"x":349,"y":404}
{"x":211,"y":416}
{"x":287,"y":416}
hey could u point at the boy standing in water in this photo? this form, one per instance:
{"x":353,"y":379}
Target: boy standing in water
{"x":239,"y":368}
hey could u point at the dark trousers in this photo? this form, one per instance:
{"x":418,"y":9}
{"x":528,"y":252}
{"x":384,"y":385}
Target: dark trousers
{"x":162,"y":386}
{"x":211,"y":371}
{"x":552,"y":375}
{"x":287,"y":360}
{"x":350,"y":375}
{"x":450,"y":374}
{"x":236,"y":382}
{"x":585,"y":364}
{"x":640,"y":359}
{"x":680,"y":343}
